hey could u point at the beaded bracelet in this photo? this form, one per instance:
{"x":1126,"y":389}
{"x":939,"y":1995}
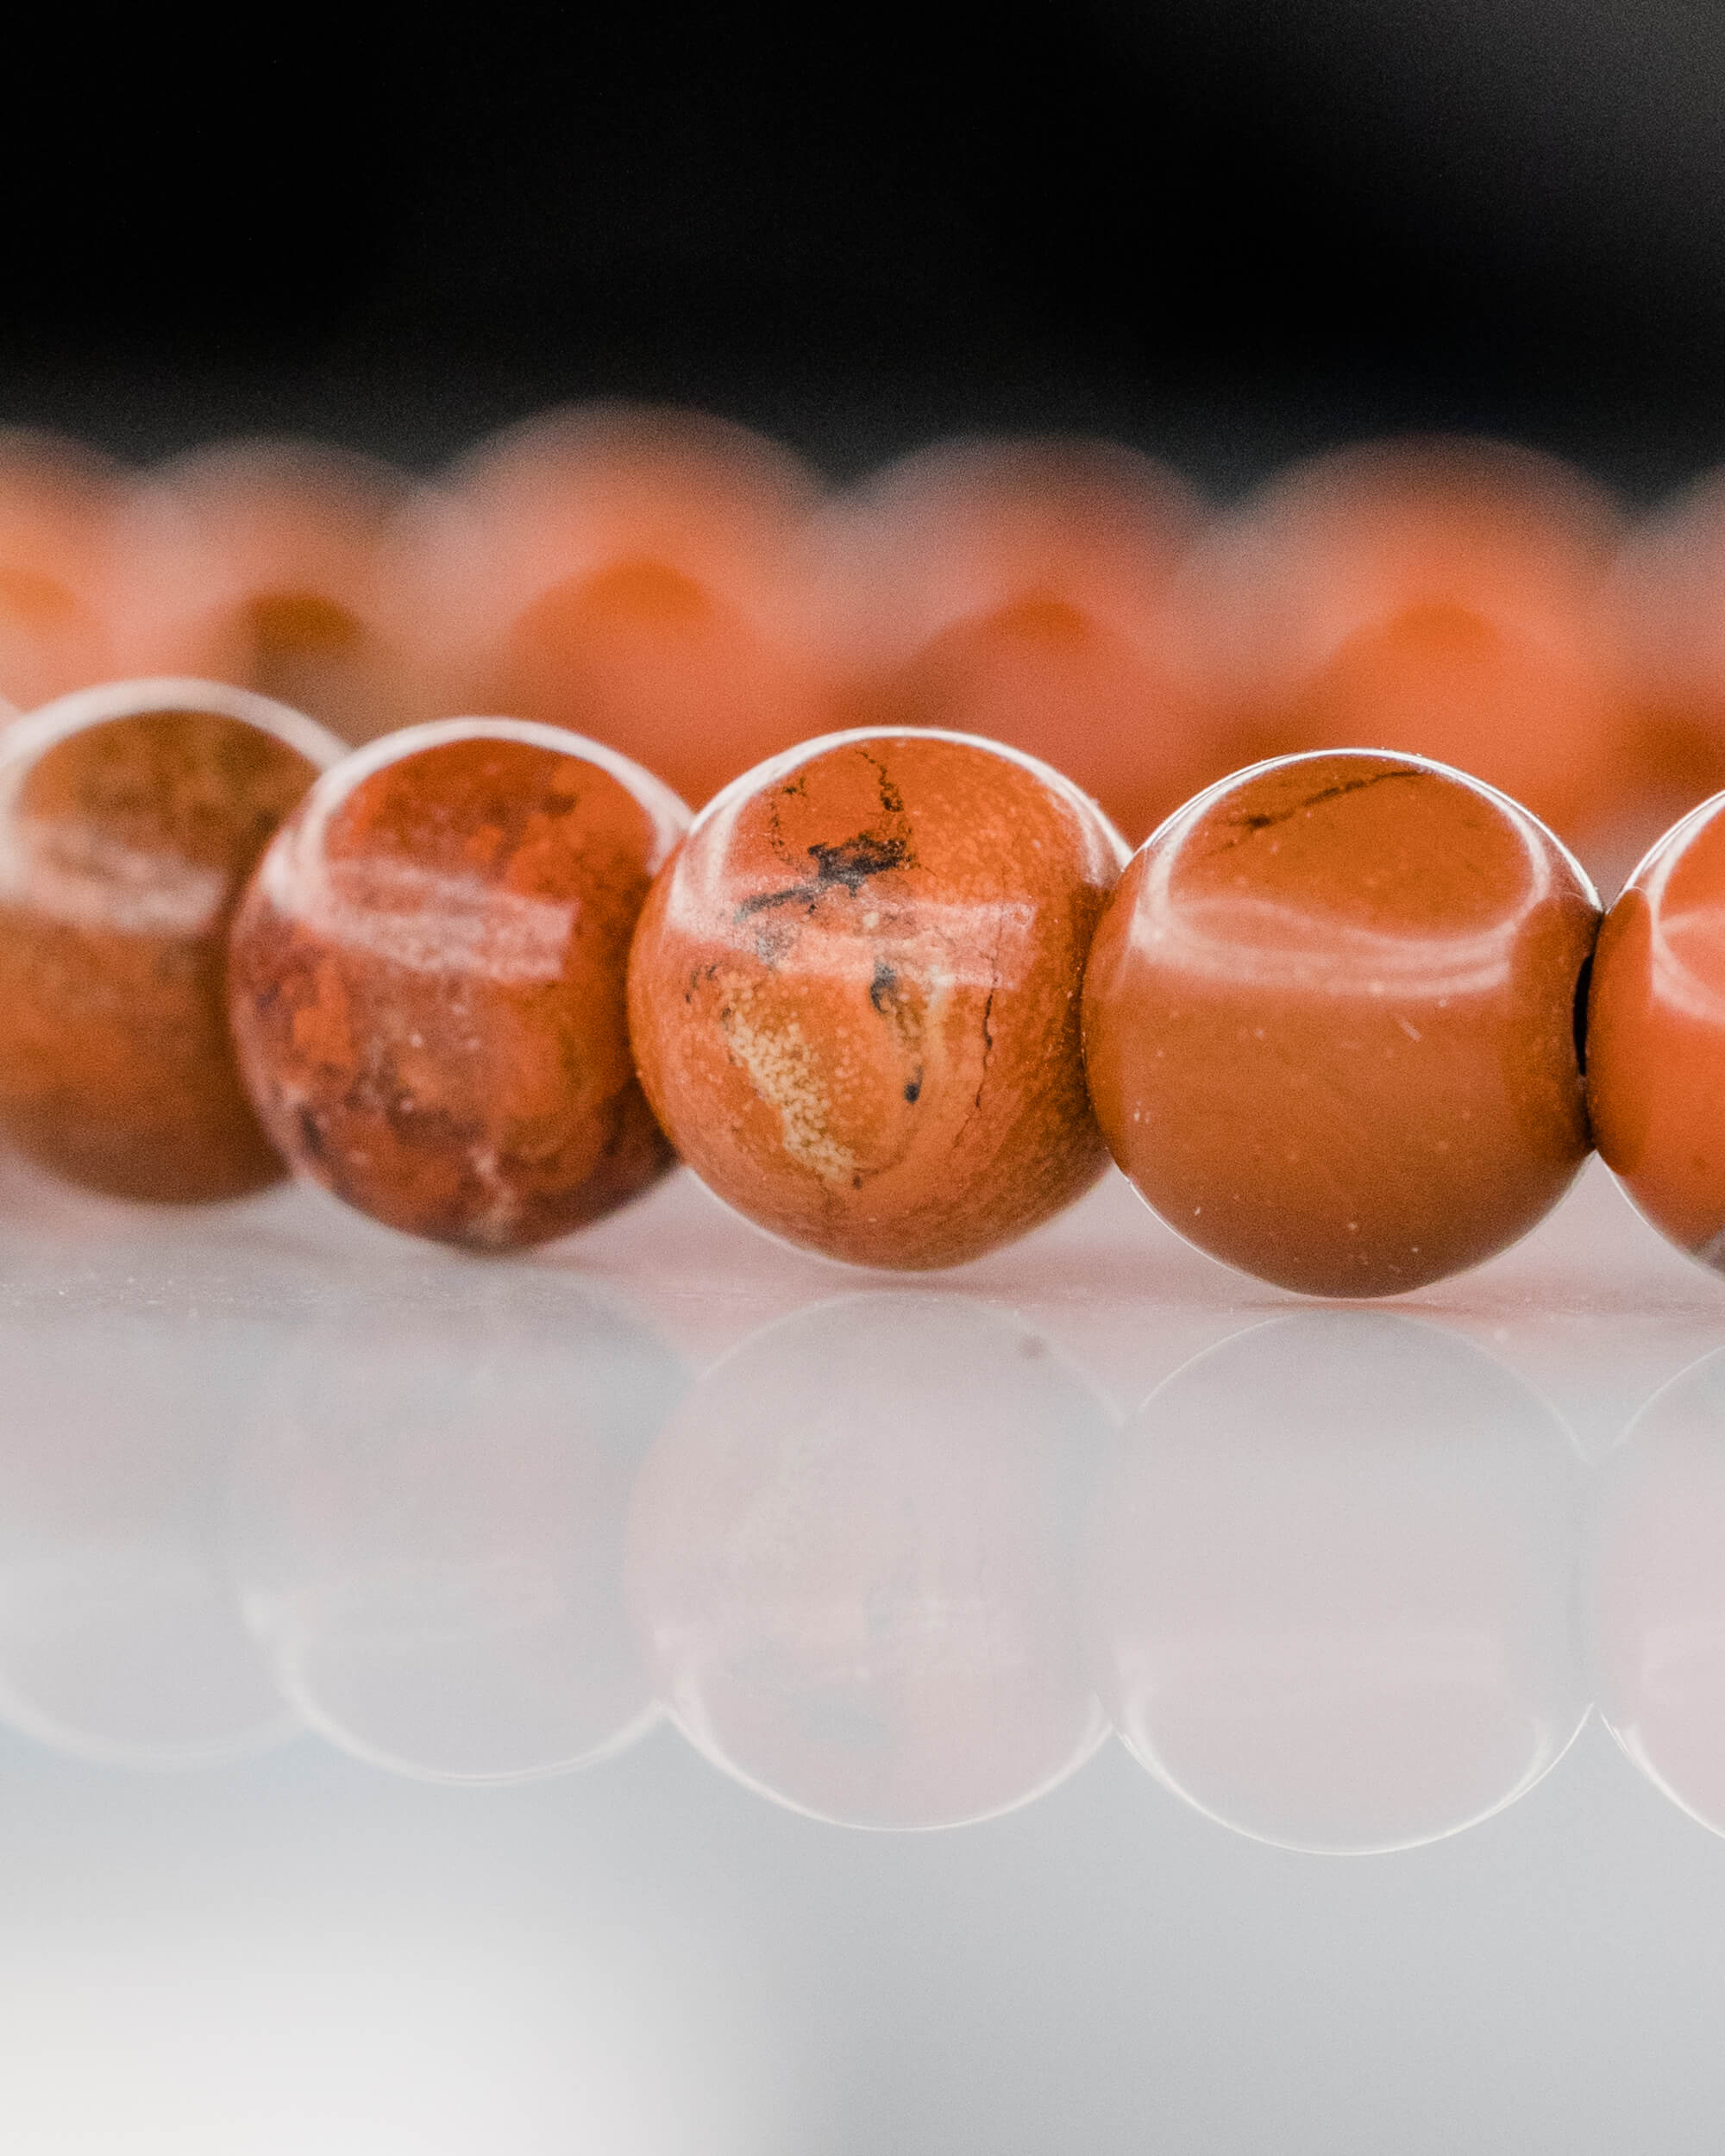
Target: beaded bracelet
{"x":894,"y":995}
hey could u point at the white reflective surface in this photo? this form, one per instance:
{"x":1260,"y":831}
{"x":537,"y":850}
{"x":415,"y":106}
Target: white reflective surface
{"x":1334,"y":1580}
{"x":436,"y":1696}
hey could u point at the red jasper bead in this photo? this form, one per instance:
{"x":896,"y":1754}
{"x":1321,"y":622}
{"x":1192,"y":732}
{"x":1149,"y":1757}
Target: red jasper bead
{"x":628,"y":573}
{"x":130,"y":816}
{"x":1656,"y":1034}
{"x":1330,"y":1022}
{"x":285,"y":567}
{"x":426,"y":987}
{"x":1022,"y":590}
{"x":854,"y":995}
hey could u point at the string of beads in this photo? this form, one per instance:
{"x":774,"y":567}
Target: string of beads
{"x":1348,"y":1020}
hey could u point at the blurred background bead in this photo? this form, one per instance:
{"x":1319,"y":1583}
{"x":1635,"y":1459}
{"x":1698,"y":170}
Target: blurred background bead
{"x":1331,"y":1021}
{"x":285,"y":567}
{"x":59,"y":556}
{"x":854,"y":995}
{"x":1439,"y":597}
{"x":630,"y":573}
{"x":130,"y":816}
{"x":1668,"y":589}
{"x":1021,"y":590}
{"x":427,"y":985}
{"x":1656,"y":1036}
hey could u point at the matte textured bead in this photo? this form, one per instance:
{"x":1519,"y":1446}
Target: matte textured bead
{"x":1330,"y":1021}
{"x":428,"y":980}
{"x":854,"y":995}
{"x":1656,"y":1036}
{"x":130,"y":816}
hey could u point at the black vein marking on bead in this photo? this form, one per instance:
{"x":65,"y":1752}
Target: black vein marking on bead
{"x":793,"y":789}
{"x":987,"y":1046}
{"x":854,"y":860}
{"x":847,"y":866}
{"x":883,"y":989}
{"x":913,"y":1088}
{"x":1251,"y":821}
{"x":892,"y":801}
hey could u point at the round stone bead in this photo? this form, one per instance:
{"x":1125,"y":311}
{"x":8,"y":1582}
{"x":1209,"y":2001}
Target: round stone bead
{"x":1331,"y":1021}
{"x":854,"y":995}
{"x":130,"y":816}
{"x":427,"y":980}
{"x":1656,"y":1034}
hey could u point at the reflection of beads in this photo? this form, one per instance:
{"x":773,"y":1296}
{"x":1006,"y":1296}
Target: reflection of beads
{"x":1333,"y":1566}
{"x":852,"y":1557}
{"x":1333,"y":1017}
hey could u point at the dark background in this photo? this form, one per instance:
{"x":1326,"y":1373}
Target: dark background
{"x":1226,"y":229}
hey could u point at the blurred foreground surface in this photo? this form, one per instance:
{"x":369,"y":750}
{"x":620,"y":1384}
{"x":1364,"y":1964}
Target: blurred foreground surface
{"x":439,"y":1699}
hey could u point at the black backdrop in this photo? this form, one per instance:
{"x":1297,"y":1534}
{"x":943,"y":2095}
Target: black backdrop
{"x":1227,"y":227}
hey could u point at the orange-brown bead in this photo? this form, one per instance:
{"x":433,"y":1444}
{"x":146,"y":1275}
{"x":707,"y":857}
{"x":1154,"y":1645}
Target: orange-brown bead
{"x":1442,"y":599}
{"x":130,"y":816}
{"x":628,"y":573}
{"x":854,"y":995}
{"x":1330,"y":1021}
{"x":427,"y":982}
{"x":1656,"y":1034}
{"x":287,"y":566}
{"x":1021,"y":590}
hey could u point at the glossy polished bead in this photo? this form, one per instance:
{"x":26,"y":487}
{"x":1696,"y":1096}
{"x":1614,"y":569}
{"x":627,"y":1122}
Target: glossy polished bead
{"x":130,"y":816}
{"x":854,"y":995}
{"x":427,"y":980}
{"x":1656,"y":1034}
{"x":1330,"y":1022}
